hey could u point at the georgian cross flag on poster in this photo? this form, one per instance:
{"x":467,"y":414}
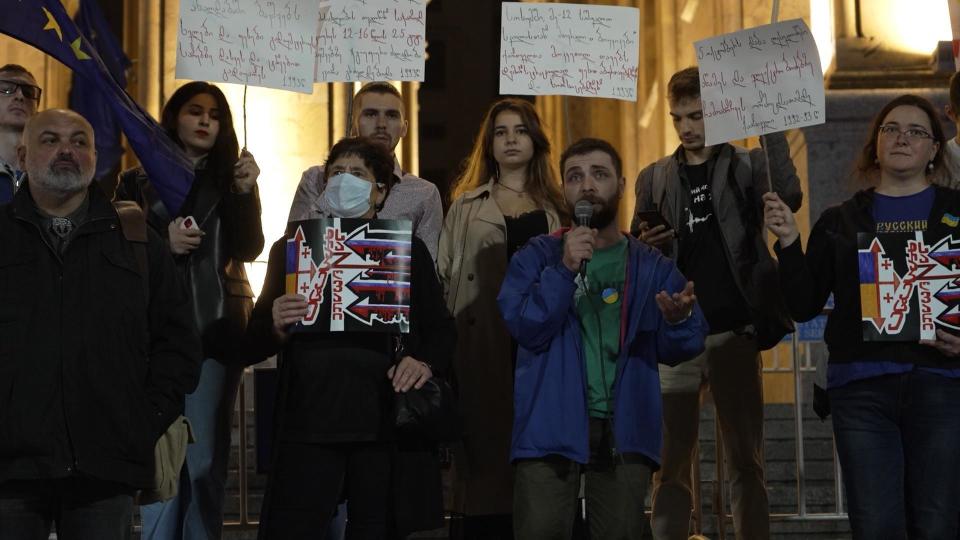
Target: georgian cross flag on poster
{"x":354,"y":273}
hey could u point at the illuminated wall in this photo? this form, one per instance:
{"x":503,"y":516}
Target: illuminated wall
{"x":822,"y":27}
{"x":909,"y":25}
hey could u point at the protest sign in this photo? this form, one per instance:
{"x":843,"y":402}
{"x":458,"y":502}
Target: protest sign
{"x":761,"y":80}
{"x":569,"y":49}
{"x":249,"y":42}
{"x":371,"y":40}
{"x":908,"y":284}
{"x":354,"y":273}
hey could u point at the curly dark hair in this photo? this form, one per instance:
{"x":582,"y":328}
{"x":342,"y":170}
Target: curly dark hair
{"x":374,"y":156}
{"x":226,"y":149}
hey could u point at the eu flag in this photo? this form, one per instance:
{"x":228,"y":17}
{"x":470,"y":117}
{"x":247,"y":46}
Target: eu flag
{"x":45,"y":25}
{"x":85,"y":97}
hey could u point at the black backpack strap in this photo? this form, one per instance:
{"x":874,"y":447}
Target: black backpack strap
{"x":134,"y":226}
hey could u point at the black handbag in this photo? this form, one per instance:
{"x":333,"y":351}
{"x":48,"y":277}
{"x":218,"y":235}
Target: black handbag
{"x":428,"y":412}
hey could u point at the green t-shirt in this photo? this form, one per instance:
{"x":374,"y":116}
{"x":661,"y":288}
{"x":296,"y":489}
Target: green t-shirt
{"x":598,"y":305}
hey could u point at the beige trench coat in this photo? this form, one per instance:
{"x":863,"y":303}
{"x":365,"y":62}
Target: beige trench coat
{"x":472,"y":262}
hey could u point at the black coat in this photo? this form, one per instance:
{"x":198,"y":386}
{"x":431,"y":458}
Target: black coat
{"x":91,"y":372}
{"x":830,"y":265}
{"x":432,"y":338}
{"x":214,"y":272}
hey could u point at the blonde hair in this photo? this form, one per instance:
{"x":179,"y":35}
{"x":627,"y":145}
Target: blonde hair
{"x":480,"y":166}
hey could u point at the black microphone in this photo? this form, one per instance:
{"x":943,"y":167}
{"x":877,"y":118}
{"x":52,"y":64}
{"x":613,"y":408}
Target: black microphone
{"x":583,"y":211}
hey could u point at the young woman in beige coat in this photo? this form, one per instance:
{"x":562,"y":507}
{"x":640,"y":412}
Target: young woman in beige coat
{"x":507,"y":194}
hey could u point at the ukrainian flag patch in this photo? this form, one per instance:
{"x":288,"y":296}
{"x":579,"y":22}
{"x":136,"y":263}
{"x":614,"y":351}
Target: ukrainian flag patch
{"x":950,"y":220}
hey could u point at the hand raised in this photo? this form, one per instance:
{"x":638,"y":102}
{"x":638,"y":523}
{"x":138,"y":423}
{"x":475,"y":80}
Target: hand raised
{"x":778,"y":217}
{"x":245,"y":172}
{"x":677,"y":307}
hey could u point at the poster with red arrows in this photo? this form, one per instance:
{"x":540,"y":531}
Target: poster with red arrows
{"x":909,"y":285}
{"x":354,"y":273}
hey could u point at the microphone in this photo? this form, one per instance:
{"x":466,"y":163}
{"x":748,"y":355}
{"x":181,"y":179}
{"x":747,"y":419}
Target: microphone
{"x":583,"y":212}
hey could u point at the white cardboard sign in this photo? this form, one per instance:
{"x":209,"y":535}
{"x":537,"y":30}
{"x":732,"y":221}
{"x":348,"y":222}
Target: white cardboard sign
{"x":760,"y":80}
{"x":371,"y":40}
{"x":569,"y":49}
{"x":253,"y":42}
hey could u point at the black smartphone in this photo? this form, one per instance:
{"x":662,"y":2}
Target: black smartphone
{"x":653,"y":218}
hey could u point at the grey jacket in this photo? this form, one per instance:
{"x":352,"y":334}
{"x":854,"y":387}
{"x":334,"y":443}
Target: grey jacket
{"x":738,"y":180}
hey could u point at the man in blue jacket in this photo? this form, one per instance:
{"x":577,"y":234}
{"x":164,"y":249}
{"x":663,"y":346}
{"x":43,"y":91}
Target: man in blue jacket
{"x":587,"y":392}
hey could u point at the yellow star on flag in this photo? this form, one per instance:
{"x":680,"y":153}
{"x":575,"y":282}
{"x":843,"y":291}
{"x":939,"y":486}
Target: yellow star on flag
{"x":52,"y":23}
{"x":76,"y":50}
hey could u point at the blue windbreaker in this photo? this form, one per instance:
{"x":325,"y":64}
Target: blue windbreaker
{"x":550,"y":388}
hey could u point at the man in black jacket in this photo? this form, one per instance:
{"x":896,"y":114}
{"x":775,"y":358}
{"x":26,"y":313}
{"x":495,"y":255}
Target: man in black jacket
{"x":94,"y":363}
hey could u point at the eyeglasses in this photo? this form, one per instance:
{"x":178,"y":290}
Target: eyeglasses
{"x":909,"y":135}
{"x":29,"y":91}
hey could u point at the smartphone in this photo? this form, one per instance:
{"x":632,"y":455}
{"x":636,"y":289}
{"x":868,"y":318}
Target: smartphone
{"x":653,"y":218}
{"x":189,"y":223}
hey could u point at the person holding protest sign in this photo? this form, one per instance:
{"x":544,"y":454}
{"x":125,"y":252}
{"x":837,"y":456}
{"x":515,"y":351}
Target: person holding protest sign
{"x":508,"y":193}
{"x":217,"y":229}
{"x":335,"y":434}
{"x":378,"y":113}
{"x":707,"y":200}
{"x":896,"y":419}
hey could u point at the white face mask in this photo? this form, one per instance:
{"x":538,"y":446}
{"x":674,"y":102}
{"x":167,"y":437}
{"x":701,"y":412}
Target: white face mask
{"x":347,"y":196}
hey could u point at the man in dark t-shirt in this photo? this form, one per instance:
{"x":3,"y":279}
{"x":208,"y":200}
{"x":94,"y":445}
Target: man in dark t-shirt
{"x":710,"y":197}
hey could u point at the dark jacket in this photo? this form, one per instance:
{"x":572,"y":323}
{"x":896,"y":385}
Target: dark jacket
{"x":432,"y":337}
{"x":738,"y":180}
{"x":91,"y":374}
{"x":831,"y":266}
{"x":213,"y":273}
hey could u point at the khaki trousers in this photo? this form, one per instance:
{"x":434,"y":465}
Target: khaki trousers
{"x":731,"y":368}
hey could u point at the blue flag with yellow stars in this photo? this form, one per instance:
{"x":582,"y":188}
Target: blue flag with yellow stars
{"x":45,"y":25}
{"x":86,"y":98}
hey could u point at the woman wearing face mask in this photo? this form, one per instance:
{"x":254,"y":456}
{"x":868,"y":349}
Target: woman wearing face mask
{"x":335,"y":414}
{"x":896,"y":417}
{"x":507,"y":194}
{"x":211,"y":236}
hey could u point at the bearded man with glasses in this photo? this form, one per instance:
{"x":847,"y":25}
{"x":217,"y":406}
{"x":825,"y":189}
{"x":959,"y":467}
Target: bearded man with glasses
{"x":19,"y":99}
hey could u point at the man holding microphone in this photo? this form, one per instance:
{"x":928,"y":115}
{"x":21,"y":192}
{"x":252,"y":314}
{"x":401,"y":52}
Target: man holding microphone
{"x":594,"y":309}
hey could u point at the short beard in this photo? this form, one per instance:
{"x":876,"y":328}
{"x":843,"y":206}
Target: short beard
{"x":607,"y":213}
{"x":62,"y":183}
